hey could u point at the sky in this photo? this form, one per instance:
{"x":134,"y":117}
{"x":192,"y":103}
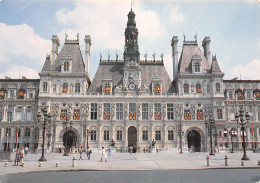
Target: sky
{"x":26,"y":28}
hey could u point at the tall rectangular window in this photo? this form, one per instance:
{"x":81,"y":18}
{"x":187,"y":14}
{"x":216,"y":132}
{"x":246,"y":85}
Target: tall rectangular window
{"x":145,"y":134}
{"x":63,"y":114}
{"x":220,"y":113}
{"x":132,"y":111}
{"x":157,"y":134}
{"x":157,"y":111}
{"x":93,"y":135}
{"x":258,"y":115}
{"x":170,"y":111}
{"x":1,"y":116}
{"x":170,"y":135}
{"x":119,"y":111}
{"x":12,"y":94}
{"x":106,"y":115}
{"x":106,"y":135}
{"x":9,"y":116}
{"x":200,"y":114}
{"x":230,"y":94}
{"x":119,"y":135}
{"x":93,"y":113}
{"x":76,"y":114}
{"x":144,"y":111}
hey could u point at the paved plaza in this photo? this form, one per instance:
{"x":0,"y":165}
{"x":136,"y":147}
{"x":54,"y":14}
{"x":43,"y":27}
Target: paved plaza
{"x":122,"y":161}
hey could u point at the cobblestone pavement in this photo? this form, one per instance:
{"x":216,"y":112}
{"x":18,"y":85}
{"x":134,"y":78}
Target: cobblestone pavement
{"x":122,"y":161}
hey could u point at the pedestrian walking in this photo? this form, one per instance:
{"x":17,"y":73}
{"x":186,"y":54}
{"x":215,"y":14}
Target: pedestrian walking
{"x":88,"y":153}
{"x":17,"y":158}
{"x":109,"y":151}
{"x":26,"y":149}
{"x":134,"y":151}
{"x":131,"y":151}
{"x":80,"y":153}
{"x":21,"y":155}
{"x":103,"y":154}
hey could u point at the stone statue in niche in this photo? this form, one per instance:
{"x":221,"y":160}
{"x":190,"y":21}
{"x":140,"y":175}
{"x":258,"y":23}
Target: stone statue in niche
{"x":100,"y":111}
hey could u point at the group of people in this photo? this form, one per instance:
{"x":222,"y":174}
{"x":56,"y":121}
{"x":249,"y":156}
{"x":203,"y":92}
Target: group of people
{"x":88,"y":152}
{"x":19,"y":155}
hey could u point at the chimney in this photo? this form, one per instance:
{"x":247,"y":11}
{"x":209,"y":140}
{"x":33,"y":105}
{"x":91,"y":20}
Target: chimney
{"x":55,"y":47}
{"x":87,"y":52}
{"x":174,"y":45}
{"x":206,"y":48}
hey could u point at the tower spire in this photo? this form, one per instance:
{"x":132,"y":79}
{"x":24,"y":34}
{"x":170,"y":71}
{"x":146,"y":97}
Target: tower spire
{"x":131,"y":4}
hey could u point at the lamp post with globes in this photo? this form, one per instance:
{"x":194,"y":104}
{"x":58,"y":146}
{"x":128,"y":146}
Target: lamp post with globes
{"x":46,"y":118}
{"x":210,"y":126}
{"x":87,"y":137}
{"x":243,"y":120}
{"x":65,"y":124}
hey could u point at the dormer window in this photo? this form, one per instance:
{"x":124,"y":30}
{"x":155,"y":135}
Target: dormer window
{"x":66,"y":66}
{"x":196,"y":64}
{"x":45,"y":87}
{"x":197,"y":67}
{"x":217,"y":87}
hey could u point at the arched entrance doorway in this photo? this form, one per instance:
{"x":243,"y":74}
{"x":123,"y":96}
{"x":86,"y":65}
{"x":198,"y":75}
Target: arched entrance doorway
{"x":71,"y":138}
{"x":132,"y":136}
{"x":193,"y":138}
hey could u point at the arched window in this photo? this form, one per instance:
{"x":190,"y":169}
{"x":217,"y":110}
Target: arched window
{"x":217,"y":87}
{"x":65,"y":88}
{"x":186,"y":88}
{"x":198,"y":88}
{"x":77,"y":88}
{"x":45,"y":87}
{"x":197,"y":67}
{"x":66,"y":66}
{"x":27,"y":132}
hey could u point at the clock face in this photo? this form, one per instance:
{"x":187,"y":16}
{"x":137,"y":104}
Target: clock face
{"x":131,"y":86}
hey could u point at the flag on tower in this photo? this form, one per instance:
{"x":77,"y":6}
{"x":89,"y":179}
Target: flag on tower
{"x":133,"y":34}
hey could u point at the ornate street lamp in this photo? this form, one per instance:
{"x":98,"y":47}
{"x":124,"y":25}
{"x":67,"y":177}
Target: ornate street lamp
{"x":241,"y":121}
{"x":65,"y":124}
{"x":179,"y":112}
{"x":207,"y":113}
{"x":46,"y":118}
{"x":210,"y":126}
{"x":87,"y":137}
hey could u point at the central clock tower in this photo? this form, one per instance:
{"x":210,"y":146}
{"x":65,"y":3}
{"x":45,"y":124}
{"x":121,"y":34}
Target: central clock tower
{"x":131,"y":39}
{"x":132,"y":76}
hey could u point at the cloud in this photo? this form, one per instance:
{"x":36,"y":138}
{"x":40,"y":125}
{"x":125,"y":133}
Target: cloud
{"x":248,"y":71}
{"x":17,"y":71}
{"x":21,"y":41}
{"x":168,"y":65}
{"x":176,"y":16}
{"x":106,"y":21}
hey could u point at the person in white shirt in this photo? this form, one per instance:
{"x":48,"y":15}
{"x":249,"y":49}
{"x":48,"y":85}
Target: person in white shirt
{"x":103,"y":154}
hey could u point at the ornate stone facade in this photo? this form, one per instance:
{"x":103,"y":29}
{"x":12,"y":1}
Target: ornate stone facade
{"x":129,"y":101}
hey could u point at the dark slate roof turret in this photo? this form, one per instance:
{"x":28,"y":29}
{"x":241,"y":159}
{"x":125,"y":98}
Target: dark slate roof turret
{"x":189,"y":50}
{"x":47,"y":65}
{"x":214,"y":66}
{"x":70,"y":49}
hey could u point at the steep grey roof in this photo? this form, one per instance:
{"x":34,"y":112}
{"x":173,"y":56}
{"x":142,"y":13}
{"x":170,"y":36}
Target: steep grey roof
{"x":189,"y":49}
{"x":115,"y":71}
{"x":47,"y":64}
{"x":214,"y":66}
{"x":73,"y":50}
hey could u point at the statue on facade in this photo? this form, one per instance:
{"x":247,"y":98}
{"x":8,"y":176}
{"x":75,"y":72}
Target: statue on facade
{"x":153,"y":143}
{"x":112,"y":143}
